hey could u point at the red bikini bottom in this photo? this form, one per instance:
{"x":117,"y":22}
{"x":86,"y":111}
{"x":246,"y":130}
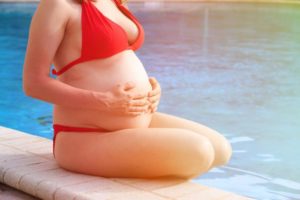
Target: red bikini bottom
{"x":58,"y":127}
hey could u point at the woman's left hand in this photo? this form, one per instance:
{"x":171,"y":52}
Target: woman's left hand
{"x":154,"y":94}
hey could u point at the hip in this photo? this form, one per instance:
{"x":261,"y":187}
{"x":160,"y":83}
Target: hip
{"x":97,"y":119}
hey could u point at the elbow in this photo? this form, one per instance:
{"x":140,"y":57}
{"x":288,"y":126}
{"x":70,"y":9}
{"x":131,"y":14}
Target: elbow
{"x":27,"y":88}
{"x":30,"y":87}
{"x":27,"y":82}
{"x":33,"y":81}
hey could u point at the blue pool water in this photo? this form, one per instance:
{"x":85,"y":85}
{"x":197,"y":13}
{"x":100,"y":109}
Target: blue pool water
{"x":232,"y":67}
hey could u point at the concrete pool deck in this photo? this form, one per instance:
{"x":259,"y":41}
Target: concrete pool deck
{"x":27,"y":164}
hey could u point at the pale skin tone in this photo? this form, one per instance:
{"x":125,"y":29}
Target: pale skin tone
{"x":114,"y":93}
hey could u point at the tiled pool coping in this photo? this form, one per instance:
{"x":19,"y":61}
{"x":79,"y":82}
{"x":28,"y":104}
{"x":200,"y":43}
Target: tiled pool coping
{"x":9,"y":193}
{"x":27,"y":164}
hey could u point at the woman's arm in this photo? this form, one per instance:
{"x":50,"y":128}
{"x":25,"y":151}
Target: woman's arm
{"x":46,"y":33}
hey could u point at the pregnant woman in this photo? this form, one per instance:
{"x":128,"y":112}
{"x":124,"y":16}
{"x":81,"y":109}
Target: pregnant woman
{"x":104,"y":118}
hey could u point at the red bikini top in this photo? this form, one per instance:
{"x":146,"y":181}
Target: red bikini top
{"x":101,"y":37}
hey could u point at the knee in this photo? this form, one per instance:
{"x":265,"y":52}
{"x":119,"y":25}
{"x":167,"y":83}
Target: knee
{"x":223,"y":151}
{"x":204,"y":156}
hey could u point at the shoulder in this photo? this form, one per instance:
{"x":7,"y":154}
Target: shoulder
{"x":55,"y":5}
{"x":55,"y":9}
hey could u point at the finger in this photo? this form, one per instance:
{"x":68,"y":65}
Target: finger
{"x":154,"y":108}
{"x":129,"y":85}
{"x":139,"y":102}
{"x":140,"y":96}
{"x":152,"y":80}
{"x":154,"y":105}
{"x":153,"y":92}
{"x":134,"y":113}
{"x":138,"y":109}
{"x":149,"y":110}
{"x":153,"y":99}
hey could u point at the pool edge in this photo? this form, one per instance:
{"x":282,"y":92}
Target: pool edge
{"x":27,"y":164}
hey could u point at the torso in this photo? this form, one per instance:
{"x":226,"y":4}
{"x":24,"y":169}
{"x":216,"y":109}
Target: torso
{"x":100,"y":74}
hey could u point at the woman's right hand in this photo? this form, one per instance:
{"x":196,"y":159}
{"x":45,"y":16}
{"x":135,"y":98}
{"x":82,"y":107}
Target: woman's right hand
{"x":125,"y":101}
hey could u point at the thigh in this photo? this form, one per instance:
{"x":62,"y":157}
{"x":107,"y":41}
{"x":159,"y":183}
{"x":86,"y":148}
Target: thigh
{"x":163,"y":120}
{"x":223,"y":150}
{"x":140,"y":153}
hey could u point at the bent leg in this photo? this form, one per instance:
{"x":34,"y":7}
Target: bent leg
{"x":135,"y":153}
{"x":222,"y":147}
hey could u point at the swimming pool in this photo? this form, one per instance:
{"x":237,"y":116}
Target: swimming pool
{"x":233,"y":67}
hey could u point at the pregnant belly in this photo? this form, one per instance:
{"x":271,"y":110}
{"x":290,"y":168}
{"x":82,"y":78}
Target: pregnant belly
{"x":103,"y":75}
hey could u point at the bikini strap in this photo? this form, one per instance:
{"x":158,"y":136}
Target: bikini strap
{"x":118,"y":2}
{"x":86,"y":1}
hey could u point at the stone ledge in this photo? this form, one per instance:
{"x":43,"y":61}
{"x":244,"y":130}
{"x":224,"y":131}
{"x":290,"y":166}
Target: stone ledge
{"x":27,"y":164}
{"x":9,"y":193}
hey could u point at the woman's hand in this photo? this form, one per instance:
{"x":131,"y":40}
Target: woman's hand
{"x":125,"y":102}
{"x":154,"y":94}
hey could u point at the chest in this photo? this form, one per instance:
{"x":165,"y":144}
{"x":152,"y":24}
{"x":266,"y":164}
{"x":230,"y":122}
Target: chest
{"x":111,"y":12}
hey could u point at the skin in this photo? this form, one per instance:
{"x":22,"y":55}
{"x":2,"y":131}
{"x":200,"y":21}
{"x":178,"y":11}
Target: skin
{"x":114,"y":93}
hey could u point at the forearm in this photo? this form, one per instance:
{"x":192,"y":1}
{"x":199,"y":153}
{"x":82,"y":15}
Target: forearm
{"x":59,"y":93}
